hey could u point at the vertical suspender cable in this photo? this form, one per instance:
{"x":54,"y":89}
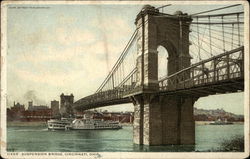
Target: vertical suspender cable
{"x":210,"y":42}
{"x":123,"y":76}
{"x":198,"y":40}
{"x":119,"y":68}
{"x":232,"y":36}
{"x":113,"y":84}
{"x":223,"y":38}
{"x":238,"y":29}
{"x":181,"y":44}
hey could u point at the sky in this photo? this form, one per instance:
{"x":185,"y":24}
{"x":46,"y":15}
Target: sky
{"x":71,"y":48}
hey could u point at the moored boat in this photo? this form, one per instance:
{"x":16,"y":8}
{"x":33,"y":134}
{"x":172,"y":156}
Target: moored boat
{"x":221,"y":122}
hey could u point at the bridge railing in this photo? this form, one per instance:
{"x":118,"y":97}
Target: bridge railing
{"x":226,"y":66}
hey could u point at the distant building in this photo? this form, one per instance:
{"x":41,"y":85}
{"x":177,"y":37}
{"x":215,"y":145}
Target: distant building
{"x":40,"y":107}
{"x":31,"y":107}
{"x":33,"y":113}
{"x":55,"y":108}
{"x":36,"y":113}
{"x":15,"y":112}
{"x":18,"y":107}
{"x":66,"y":103}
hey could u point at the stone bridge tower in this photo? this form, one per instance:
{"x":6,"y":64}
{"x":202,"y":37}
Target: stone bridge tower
{"x":159,"y":119}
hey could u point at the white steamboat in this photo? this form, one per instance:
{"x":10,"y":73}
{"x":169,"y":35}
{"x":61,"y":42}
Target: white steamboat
{"x":86,"y":123}
{"x":56,"y":124}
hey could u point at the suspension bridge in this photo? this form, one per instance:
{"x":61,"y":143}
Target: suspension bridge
{"x":205,"y":57}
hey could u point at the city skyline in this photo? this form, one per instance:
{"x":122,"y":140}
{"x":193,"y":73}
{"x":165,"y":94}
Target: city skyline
{"x":71,"y":50}
{"x":217,"y":104}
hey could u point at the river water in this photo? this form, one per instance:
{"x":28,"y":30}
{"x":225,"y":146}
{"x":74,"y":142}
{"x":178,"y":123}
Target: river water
{"x":39,"y":139}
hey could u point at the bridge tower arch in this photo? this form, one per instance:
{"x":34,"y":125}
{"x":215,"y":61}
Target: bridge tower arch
{"x":162,"y":62}
{"x":161,"y":119}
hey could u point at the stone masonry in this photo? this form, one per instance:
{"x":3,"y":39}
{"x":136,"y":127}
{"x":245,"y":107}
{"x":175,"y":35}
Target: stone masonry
{"x":160,"y":120}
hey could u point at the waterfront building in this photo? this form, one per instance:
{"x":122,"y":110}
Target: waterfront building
{"x":37,"y":115}
{"x":40,"y":107}
{"x":15,"y":112}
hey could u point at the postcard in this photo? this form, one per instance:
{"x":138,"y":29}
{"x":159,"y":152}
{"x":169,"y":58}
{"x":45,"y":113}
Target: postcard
{"x":124,"y":79}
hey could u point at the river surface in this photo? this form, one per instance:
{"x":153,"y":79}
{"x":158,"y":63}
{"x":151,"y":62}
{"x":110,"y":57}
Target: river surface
{"x":39,"y":139}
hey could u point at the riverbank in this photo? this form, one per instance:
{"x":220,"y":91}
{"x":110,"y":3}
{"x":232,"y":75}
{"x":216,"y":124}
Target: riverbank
{"x":32,"y":123}
{"x":208,"y":122}
{"x":43,"y":123}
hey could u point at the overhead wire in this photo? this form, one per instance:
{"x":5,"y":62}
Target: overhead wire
{"x":212,"y":10}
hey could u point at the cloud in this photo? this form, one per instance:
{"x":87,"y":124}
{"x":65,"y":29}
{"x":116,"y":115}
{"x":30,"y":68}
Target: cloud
{"x":48,"y":77}
{"x":66,"y":19}
{"x":66,"y":56}
{"x":66,"y":36}
{"x":113,"y":27}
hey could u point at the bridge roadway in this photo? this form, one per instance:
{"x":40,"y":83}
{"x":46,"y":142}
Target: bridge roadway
{"x":196,"y":80}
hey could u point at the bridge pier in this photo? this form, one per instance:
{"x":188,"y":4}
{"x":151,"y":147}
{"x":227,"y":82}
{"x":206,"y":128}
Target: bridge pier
{"x":163,"y":120}
{"x":177,"y":120}
{"x":147,"y":120}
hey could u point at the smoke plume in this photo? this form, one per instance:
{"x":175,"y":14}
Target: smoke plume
{"x":31,"y":96}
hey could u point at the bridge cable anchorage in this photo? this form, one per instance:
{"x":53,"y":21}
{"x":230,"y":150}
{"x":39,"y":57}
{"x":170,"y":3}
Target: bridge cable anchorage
{"x":215,"y":9}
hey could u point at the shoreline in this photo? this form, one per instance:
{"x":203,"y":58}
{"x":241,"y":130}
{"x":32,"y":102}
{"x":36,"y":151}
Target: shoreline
{"x":208,"y":122}
{"x":26,"y":123}
{"x":43,"y":123}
